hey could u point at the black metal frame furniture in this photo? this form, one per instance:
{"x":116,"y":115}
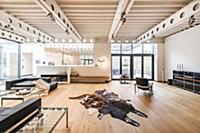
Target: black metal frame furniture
{"x":58,"y":77}
{"x":187,"y":80}
{"x":143,"y":84}
{"x":27,"y":83}
{"x":13,"y":118}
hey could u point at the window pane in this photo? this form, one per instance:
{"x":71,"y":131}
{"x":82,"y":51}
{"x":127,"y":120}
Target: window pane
{"x":8,"y":59}
{"x":86,"y":60}
{"x":148,"y":48}
{"x":148,"y":67}
{"x":115,"y":48}
{"x":126,"y":48}
{"x":137,"y":63}
{"x":115,"y":67}
{"x":137,"y":49}
{"x":126,"y":65}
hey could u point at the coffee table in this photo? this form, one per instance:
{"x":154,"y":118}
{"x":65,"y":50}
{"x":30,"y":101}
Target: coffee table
{"x":14,"y":96}
{"x":51,"y":118}
{"x":6,"y":92}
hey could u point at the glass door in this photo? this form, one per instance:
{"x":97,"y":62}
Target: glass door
{"x":116,"y":67}
{"x":137,"y":66}
{"x":143,"y":66}
{"x":147,"y":72}
{"x":126,"y":66}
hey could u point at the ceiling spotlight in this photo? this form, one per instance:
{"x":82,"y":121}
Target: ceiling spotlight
{"x":119,"y":41}
{"x":35,"y":40}
{"x":123,"y":17}
{"x":56,"y":40}
{"x":63,"y":40}
{"x":28,"y":40}
{"x":70,"y":40}
{"x":126,"y":41}
{"x":191,"y":21}
{"x":133,"y":41}
{"x":50,"y":15}
{"x":91,"y":40}
{"x":112,"y":41}
{"x":148,"y":41}
{"x":84,"y":40}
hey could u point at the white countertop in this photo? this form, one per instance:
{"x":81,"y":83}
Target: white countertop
{"x":66,"y":66}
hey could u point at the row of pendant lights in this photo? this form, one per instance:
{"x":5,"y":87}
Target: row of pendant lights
{"x":126,"y":41}
{"x":62,"y":40}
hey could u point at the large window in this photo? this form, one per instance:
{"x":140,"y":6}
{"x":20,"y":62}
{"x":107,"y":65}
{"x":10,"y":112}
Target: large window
{"x":137,"y":49}
{"x":116,"y":48}
{"x":126,"y":48}
{"x":129,"y":48}
{"x":86,"y":60}
{"x":132,"y":60}
{"x":9,"y":59}
{"x":148,"y":48}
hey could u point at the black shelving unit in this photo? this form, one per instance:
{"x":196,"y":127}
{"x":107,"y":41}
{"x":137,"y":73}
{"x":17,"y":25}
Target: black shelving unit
{"x":187,"y":80}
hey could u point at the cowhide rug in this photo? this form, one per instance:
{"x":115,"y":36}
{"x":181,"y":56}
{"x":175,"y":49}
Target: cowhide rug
{"x":110,"y":103}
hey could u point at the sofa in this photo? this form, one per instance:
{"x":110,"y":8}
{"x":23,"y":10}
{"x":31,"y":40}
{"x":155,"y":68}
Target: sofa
{"x":14,"y":116}
{"x":27,"y":83}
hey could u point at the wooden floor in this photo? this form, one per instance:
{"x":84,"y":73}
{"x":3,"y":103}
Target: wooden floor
{"x":170,"y":109}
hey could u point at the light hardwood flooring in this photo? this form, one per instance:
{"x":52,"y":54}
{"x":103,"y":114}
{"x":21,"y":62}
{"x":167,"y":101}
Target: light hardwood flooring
{"x":169,"y":110}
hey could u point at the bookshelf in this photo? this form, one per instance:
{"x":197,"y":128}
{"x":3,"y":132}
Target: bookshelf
{"x":187,"y":80}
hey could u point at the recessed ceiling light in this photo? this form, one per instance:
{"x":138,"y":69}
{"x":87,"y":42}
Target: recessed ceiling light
{"x":84,"y":40}
{"x":148,"y":41}
{"x":35,"y":40}
{"x":56,"y":40}
{"x":119,"y":41}
{"x":133,"y":41}
{"x":28,"y":40}
{"x":91,"y":40}
{"x":70,"y":40}
{"x":126,"y":41}
{"x":63,"y":40}
{"x":112,"y":40}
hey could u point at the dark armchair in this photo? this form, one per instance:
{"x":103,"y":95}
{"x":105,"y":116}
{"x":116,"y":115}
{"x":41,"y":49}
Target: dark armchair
{"x":143,"y":84}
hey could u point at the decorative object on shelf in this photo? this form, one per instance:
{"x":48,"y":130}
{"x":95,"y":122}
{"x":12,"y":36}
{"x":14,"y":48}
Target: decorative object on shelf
{"x":110,"y":103}
{"x":180,"y":67}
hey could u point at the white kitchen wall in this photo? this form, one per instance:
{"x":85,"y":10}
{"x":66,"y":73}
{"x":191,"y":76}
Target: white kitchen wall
{"x":101,"y":51}
{"x":159,"y":72}
{"x":183,"y":48}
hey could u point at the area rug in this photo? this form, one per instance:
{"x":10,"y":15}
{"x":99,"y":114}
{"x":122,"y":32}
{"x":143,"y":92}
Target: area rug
{"x":109,"y":103}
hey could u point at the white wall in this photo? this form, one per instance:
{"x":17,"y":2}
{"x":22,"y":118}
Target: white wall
{"x":100,"y":51}
{"x":36,"y":51}
{"x":183,"y":48}
{"x":159,"y":62}
{"x":53,"y":57}
{"x":103,"y":51}
{"x":72,"y":59}
{"x":26,"y":63}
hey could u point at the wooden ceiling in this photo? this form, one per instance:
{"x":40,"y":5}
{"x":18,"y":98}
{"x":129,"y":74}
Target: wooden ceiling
{"x":93,"y":18}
